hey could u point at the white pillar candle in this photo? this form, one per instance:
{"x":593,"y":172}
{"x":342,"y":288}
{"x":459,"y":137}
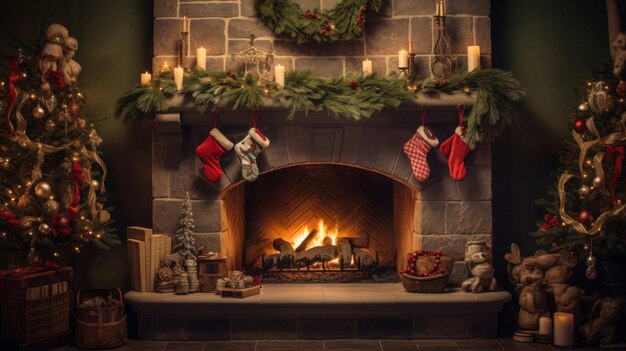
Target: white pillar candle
{"x":179,"y":73}
{"x":279,"y":75}
{"x":185,"y":24}
{"x":146,"y":78}
{"x":545,"y":326}
{"x":403,"y":59}
{"x":201,"y":58}
{"x":473,"y":58}
{"x":563,"y":329}
{"x":367,"y":66}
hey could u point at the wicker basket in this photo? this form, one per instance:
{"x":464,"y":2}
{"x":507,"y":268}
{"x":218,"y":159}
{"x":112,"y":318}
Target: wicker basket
{"x":433,"y":284}
{"x":102,"y":327}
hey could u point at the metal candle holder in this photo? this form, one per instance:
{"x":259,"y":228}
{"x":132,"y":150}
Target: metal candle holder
{"x":442,"y":64}
{"x":182,"y":51}
{"x":409,"y":72}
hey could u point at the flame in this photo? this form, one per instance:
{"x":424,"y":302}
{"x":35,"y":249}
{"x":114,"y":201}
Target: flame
{"x":318,"y":240}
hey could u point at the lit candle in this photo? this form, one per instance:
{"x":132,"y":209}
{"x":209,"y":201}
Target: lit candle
{"x":440,"y":9}
{"x":178,"y":77}
{"x":165,"y":68}
{"x":563,"y":329}
{"x":545,"y":326}
{"x":403,"y":59}
{"x":185,"y":24}
{"x":201,"y":58}
{"x":473,"y":58}
{"x":146,"y":78}
{"x":367,"y":66}
{"x":279,"y":75}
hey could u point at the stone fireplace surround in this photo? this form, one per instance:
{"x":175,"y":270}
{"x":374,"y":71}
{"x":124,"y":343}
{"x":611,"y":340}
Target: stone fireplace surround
{"x":437,"y":214}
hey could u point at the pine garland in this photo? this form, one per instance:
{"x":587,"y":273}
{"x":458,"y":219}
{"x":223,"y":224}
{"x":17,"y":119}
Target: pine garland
{"x":343,"y":22}
{"x":353,"y":97}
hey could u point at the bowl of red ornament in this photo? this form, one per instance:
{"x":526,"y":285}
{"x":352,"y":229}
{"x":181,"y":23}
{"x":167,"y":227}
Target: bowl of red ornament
{"x":426,"y":271}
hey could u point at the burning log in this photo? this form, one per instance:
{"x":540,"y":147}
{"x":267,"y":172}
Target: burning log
{"x":357,"y":241}
{"x":283,"y":258}
{"x":363,"y":258}
{"x":316,"y":254}
{"x":344,"y":251}
{"x":306,"y":240}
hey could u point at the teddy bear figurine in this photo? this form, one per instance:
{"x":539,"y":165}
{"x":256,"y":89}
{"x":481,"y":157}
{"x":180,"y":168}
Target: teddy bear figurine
{"x":477,"y":257}
{"x":601,"y":327}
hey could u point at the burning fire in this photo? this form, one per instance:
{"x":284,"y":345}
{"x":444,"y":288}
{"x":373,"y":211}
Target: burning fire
{"x":322,"y":232}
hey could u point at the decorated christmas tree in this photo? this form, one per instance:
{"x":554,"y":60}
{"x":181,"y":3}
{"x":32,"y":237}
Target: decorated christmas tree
{"x":185,"y":242}
{"x":51,"y":177}
{"x":585,"y":206}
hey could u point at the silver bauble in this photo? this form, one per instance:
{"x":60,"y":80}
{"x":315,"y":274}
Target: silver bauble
{"x":50,"y":126}
{"x":43,"y":190}
{"x":583,"y":191}
{"x":591,"y":273}
{"x":597,"y":181}
{"x":44,"y":228}
{"x":39,"y":112}
{"x":50,"y":207}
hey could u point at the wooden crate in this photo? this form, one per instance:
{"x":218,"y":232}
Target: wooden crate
{"x":35,"y":306}
{"x":241,"y":293}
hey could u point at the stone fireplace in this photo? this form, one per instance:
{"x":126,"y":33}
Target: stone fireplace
{"x":352,"y":175}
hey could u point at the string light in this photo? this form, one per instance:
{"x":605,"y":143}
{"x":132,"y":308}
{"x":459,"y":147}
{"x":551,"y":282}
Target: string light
{"x":77,"y":249}
{"x":56,"y":254}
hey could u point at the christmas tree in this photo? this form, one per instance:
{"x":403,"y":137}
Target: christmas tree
{"x":185,"y":242}
{"x":51,"y":176}
{"x":585,"y":206}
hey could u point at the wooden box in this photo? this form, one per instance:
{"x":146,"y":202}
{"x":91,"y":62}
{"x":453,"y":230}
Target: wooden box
{"x":241,"y":293}
{"x":35,"y":307}
{"x":210,"y":270}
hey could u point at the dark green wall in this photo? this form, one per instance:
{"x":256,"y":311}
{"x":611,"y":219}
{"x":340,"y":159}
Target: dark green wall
{"x":115,"y":45}
{"x":549,"y":45}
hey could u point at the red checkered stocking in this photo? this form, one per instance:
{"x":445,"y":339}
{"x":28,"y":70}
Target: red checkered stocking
{"x":417,"y":149}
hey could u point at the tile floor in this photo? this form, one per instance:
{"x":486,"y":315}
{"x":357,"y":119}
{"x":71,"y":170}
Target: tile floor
{"x":341,"y":345}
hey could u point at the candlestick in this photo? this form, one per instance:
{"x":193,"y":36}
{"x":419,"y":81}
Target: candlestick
{"x":367,"y":66}
{"x":440,"y":9}
{"x":146,"y":78}
{"x":179,"y":73}
{"x":473,"y":58}
{"x":279,"y":75}
{"x":563,"y":329}
{"x":403,"y":59}
{"x":201,"y":58}
{"x":165,"y":68}
{"x":545,"y":326}
{"x":185,"y":24}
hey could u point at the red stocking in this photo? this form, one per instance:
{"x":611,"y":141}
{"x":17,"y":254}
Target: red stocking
{"x":210,"y":153}
{"x":455,"y":149}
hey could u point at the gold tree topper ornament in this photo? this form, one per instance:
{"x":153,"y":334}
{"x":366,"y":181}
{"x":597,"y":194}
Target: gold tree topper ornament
{"x":256,"y":62}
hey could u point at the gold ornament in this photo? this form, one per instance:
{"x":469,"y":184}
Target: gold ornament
{"x":39,"y":112}
{"x":44,"y":228}
{"x":50,"y":207}
{"x":50,"y":126}
{"x":599,"y":99}
{"x":43,"y":190}
{"x":597,"y":182}
{"x":51,"y":102}
{"x":583,"y":191}
{"x":25,"y":201}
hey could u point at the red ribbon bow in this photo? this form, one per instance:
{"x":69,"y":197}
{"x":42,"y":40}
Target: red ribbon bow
{"x":79,"y":177}
{"x":10,"y":218}
{"x":616,"y":154}
{"x":549,"y":222}
{"x":56,"y":77}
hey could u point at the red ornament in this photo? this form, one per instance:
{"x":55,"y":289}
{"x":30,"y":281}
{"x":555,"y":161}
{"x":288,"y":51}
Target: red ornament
{"x":621,"y":89}
{"x":353,"y":84}
{"x":585,"y":217}
{"x":378,"y":90}
{"x":74,"y":109}
{"x":580,"y":126}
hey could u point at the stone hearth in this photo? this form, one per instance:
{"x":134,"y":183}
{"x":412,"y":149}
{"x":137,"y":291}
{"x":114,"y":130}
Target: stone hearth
{"x":323,"y":311}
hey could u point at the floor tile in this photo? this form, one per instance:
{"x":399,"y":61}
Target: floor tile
{"x":229,"y":346}
{"x":438,"y":348}
{"x":399,"y":345}
{"x":184,"y":346}
{"x":143,"y":345}
{"x":352,"y":344}
{"x":435,"y":342}
{"x":484,"y":344}
{"x":289,"y":345}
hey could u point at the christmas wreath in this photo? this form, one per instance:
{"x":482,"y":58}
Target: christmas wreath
{"x":342,"y":22}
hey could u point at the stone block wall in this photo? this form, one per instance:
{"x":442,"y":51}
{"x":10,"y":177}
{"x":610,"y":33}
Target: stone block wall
{"x":223,"y":27}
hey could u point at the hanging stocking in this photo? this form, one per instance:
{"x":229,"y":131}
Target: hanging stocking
{"x":417,"y":149}
{"x":248,"y":149}
{"x":455,"y":149}
{"x":211,"y":151}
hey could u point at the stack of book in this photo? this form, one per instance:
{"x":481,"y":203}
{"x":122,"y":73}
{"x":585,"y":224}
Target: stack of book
{"x":145,"y":251}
